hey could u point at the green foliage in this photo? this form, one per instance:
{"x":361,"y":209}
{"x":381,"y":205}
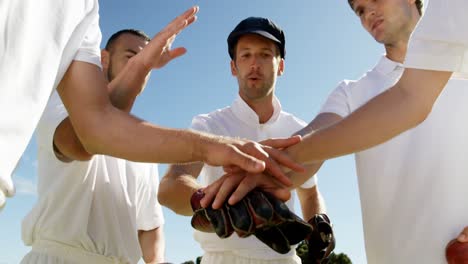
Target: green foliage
{"x":199,"y":260}
{"x":302,"y":251}
{"x":189,"y":262}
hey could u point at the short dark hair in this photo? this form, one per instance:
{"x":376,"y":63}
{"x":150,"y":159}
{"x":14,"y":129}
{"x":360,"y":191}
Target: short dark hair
{"x":117,"y":34}
{"x":419,"y":5}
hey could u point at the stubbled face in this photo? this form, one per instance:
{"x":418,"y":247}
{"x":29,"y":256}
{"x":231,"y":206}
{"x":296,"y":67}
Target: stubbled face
{"x":256,"y":66}
{"x":388,"y":21}
{"x":126,"y":46}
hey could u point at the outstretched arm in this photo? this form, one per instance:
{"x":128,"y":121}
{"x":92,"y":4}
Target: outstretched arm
{"x":396,"y":110}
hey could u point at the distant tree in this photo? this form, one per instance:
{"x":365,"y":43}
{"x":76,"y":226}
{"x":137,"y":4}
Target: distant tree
{"x":302,"y":251}
{"x":189,"y":262}
{"x":199,"y":260}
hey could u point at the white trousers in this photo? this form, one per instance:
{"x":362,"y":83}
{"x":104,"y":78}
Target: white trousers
{"x":49,"y":252}
{"x":227,"y":257}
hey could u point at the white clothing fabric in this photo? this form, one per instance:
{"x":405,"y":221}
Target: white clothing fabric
{"x":413,"y":187}
{"x":39,"y":41}
{"x":228,"y":257}
{"x":239,"y":120}
{"x":95,"y":206}
{"x":54,"y":252}
{"x":440,"y":40}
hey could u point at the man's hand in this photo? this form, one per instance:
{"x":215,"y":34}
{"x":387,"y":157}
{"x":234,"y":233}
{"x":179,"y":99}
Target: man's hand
{"x":158,"y":52}
{"x":463,"y":236}
{"x":7,"y":189}
{"x":217,"y":192}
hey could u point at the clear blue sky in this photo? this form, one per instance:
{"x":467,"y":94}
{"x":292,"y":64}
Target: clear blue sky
{"x":325,"y":44}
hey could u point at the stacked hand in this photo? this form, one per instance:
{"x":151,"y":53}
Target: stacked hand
{"x":239,"y":181}
{"x":7,"y":189}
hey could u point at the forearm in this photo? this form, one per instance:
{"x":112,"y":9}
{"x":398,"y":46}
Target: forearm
{"x":153,"y":245}
{"x":398,"y":109}
{"x":126,"y":86}
{"x":176,"y":189}
{"x":311,"y":202}
{"x":149,"y":142}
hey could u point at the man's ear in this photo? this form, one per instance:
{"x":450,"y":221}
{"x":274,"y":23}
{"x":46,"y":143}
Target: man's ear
{"x":281,"y":67}
{"x":233,"y":68}
{"x":105,"y":59}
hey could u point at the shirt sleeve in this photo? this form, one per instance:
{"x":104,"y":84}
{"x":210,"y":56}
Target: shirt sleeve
{"x":440,"y":40}
{"x":149,"y":210}
{"x":337,"y":101}
{"x":89,"y":50}
{"x":53,"y":115}
{"x":311,"y":182}
{"x":200,"y":123}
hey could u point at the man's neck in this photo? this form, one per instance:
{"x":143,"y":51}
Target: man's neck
{"x":397,"y":52}
{"x":263,"y":107}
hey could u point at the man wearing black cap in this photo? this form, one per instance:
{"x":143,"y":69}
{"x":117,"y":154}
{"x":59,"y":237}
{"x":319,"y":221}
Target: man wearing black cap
{"x":257,"y":49}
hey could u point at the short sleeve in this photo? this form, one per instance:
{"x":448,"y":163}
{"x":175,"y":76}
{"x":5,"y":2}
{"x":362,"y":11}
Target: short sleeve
{"x":89,"y":50}
{"x":200,"y":123}
{"x":337,"y":102}
{"x":311,"y":182}
{"x":149,"y":210}
{"x":440,"y":40}
{"x":53,"y":115}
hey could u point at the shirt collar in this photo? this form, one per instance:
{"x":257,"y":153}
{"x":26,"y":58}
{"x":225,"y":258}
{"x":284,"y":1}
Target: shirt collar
{"x":243,"y":111}
{"x":386,"y":66}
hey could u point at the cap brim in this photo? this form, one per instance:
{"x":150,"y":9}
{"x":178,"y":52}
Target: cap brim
{"x":258,"y":32}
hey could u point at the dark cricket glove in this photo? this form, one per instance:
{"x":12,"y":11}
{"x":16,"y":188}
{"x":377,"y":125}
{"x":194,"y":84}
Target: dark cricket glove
{"x":258,"y":214}
{"x":321,"y":241}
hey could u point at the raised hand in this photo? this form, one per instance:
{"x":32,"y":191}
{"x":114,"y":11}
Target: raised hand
{"x":158,"y":52}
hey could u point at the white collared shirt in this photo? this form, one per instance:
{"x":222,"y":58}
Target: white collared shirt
{"x":239,"y":120}
{"x":96,"y":206}
{"x":440,"y":40}
{"x":413,"y":187}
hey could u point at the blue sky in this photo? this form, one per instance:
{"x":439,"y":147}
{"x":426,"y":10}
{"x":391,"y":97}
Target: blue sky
{"x":325,"y":44}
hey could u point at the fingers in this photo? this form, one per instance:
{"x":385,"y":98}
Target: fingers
{"x":280,"y":143}
{"x":177,"y":52}
{"x":271,"y":165}
{"x":245,"y":161}
{"x":228,"y":185}
{"x":180,"y":22}
{"x":210,"y":192}
{"x":463,"y":237}
{"x":284,"y":159}
{"x":261,"y":181}
{"x":217,"y":192}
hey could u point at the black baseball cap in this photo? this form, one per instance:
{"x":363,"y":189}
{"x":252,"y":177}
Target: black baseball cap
{"x":257,"y":25}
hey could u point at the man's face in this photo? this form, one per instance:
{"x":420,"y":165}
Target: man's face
{"x":256,"y":66}
{"x":388,"y":21}
{"x":126,"y":46}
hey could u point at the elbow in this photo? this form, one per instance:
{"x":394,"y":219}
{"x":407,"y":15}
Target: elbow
{"x":164,"y":193}
{"x":422,"y":111}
